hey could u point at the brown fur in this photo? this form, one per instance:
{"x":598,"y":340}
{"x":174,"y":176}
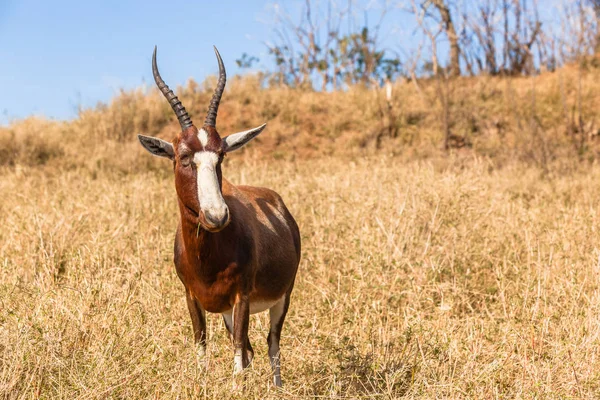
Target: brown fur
{"x":253,"y":258}
{"x":246,"y":257}
{"x":247,"y":252}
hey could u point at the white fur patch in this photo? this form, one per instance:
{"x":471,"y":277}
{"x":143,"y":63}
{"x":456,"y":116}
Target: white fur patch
{"x":209,"y":194}
{"x":200,"y":351}
{"x":203,"y":137}
{"x":183,"y":148}
{"x":238,"y":364}
{"x":258,"y":306}
{"x":255,"y":307}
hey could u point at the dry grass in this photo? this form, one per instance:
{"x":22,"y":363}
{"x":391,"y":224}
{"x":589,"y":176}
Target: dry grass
{"x":498,"y":117}
{"x":430,"y":279}
{"x":424,"y":275}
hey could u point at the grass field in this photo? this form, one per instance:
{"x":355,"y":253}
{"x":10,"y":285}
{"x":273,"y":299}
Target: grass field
{"x":442,"y":278}
{"x":473,"y":273}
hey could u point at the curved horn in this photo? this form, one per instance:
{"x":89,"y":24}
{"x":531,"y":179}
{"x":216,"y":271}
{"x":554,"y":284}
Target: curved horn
{"x":184,"y":119}
{"x":211,"y":116}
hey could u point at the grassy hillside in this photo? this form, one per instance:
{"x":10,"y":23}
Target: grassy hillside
{"x":535,"y":120}
{"x":473,"y":274}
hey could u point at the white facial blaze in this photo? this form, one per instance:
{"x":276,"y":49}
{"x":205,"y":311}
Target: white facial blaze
{"x":209,"y":193}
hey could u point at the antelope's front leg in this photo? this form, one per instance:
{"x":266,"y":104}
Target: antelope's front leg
{"x":198,"y":316}
{"x":241,"y":319}
{"x":228,"y":319}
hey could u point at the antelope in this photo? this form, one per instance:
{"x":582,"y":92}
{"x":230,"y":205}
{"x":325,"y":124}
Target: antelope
{"x":237,"y":248}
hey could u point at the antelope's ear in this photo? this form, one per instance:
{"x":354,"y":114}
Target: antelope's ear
{"x":157,"y":147}
{"x":237,"y":140}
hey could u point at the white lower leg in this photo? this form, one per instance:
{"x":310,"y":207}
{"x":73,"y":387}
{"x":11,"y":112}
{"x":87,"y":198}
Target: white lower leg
{"x":238,"y":363}
{"x":274,"y":358}
{"x":276,"y":314}
{"x":200,"y":354}
{"x":200,"y":350}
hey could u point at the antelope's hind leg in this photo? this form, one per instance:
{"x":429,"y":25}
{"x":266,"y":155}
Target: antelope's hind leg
{"x":198,"y":316}
{"x":277,"y":316}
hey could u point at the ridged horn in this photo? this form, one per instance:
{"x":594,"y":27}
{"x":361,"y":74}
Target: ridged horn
{"x":184,"y":119}
{"x":213,"y":108}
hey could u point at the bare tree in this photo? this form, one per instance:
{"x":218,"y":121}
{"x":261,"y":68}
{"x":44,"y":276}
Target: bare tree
{"x":448,"y":24}
{"x":595,"y":4}
{"x":314,"y":51}
{"x":300,"y":48}
{"x":421,"y":13}
{"x":484,"y":30}
{"x":578,"y":30}
{"x":435,"y":17}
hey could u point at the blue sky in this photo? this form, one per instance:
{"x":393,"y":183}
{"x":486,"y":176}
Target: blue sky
{"x":55,"y":55}
{"x":58,"y":55}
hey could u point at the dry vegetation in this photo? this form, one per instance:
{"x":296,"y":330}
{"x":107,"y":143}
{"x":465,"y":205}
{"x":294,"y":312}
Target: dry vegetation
{"x":469,"y":275}
{"x":529,"y":119}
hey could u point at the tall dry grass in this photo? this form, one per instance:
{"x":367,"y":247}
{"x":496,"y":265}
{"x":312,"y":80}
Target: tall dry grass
{"x":473,"y":274}
{"x":422,"y":280}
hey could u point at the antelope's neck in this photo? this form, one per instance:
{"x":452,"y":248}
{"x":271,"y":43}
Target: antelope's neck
{"x":195,"y":238}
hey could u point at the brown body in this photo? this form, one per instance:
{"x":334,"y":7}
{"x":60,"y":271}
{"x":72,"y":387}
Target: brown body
{"x":237,"y":248}
{"x":255,"y":255}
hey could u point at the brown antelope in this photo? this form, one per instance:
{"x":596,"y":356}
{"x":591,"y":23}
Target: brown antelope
{"x":237,"y":248}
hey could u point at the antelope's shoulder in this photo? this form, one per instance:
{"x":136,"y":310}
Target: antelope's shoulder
{"x":263,"y":200}
{"x":257,"y":193}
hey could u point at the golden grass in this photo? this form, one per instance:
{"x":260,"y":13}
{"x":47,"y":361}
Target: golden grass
{"x":425,"y":275}
{"x":422,"y":279}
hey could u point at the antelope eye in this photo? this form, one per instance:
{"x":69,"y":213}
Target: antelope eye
{"x":185,"y":161}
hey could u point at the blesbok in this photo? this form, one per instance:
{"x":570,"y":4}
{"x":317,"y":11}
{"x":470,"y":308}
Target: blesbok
{"x":237,"y":248}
